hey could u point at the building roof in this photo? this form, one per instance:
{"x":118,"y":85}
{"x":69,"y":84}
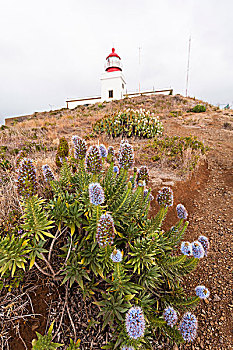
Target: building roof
{"x":113,"y":54}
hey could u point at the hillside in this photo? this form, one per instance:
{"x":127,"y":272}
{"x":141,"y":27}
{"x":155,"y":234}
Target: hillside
{"x":202,"y":181}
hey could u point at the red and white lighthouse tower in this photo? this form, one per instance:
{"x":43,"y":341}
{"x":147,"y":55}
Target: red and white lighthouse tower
{"x":113,"y":85}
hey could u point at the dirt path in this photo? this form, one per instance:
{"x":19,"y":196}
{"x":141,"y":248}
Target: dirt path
{"x":208,"y":198}
{"x":211,"y":215}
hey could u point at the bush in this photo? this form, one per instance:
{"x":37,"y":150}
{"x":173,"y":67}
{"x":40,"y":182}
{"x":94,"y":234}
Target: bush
{"x":62,"y":151}
{"x":130,"y":123}
{"x":198,"y":109}
{"x":111,"y":248}
{"x":174,"y":149}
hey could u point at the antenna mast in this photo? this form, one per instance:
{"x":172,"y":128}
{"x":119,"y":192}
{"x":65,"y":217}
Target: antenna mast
{"x":187,"y":77}
{"x":139,"y":62}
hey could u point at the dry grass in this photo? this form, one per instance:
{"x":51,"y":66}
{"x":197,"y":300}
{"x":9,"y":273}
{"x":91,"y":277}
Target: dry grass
{"x":45,"y":129}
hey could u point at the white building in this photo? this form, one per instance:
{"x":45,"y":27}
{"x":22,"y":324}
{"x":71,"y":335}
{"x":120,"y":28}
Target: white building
{"x":113,"y":85}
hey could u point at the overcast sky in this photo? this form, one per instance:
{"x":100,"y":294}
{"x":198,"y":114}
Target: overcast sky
{"x":51,"y":50}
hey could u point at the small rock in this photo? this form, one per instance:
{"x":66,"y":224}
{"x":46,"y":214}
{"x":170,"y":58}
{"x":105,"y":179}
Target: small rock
{"x":216,"y":297}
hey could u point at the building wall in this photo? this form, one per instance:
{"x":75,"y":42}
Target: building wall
{"x":112,"y":81}
{"x":73,"y":104}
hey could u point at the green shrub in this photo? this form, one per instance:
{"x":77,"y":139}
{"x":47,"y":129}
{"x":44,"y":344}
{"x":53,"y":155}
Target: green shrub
{"x":198,"y":109}
{"x":174,"y":149}
{"x":62,"y":151}
{"x":130,"y":123}
{"x":44,"y":342}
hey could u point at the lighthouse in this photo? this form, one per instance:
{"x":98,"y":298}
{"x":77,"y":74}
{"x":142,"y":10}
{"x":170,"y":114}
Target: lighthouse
{"x":113,"y":85}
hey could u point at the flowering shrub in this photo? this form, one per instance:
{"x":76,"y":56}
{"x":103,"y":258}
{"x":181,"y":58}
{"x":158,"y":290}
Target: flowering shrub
{"x":188,"y":327}
{"x":80,"y":147}
{"x":135,"y":323}
{"x":205,"y":243}
{"x":96,"y":193}
{"x":126,"y":155}
{"x":202,"y":292}
{"x":120,"y":258}
{"x":181,"y":212}
{"x":26,"y":180}
{"x":93,"y":160}
{"x":165,"y":197}
{"x":170,"y":316}
{"x":130,"y":123}
{"x":47,"y":172}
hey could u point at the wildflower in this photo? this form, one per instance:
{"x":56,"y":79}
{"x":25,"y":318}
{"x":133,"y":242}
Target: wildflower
{"x":202,"y":292}
{"x":126,"y":155}
{"x":170,"y":316}
{"x":186,"y":248}
{"x":103,"y":151}
{"x":26,"y":181}
{"x":141,"y":183}
{"x":165,"y":197}
{"x":96,"y":193}
{"x":116,"y":169}
{"x":143,"y":174}
{"x":205,"y":243}
{"x":80,"y":147}
{"x":116,"y":255}
{"x":105,"y":230}
{"x":188,"y":326}
{"x":198,"y":250}
{"x":125,"y":347}
{"x":47,"y":172}
{"x":135,"y":322}
{"x":93,"y":160}
{"x":181,"y":212}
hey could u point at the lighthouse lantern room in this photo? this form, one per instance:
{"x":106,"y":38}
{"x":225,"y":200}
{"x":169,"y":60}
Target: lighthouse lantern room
{"x":113,"y":85}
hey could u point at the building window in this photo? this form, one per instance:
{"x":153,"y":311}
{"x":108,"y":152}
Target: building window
{"x":123,"y":86}
{"x":110,"y":93}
